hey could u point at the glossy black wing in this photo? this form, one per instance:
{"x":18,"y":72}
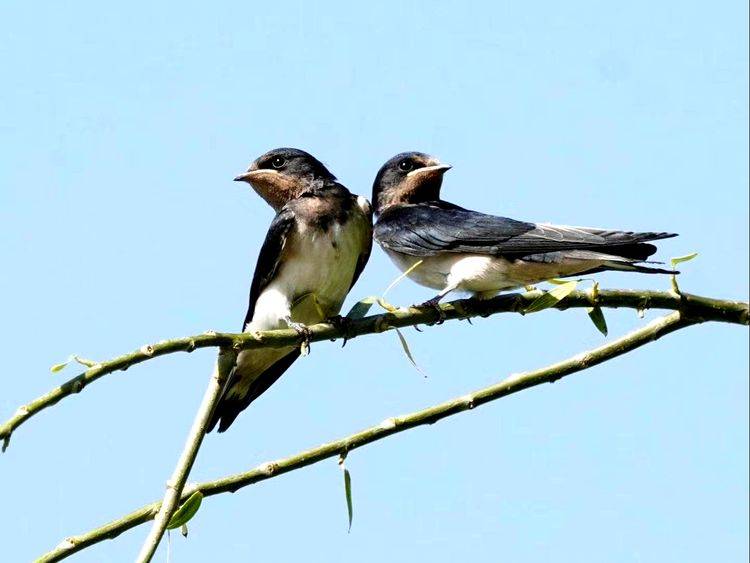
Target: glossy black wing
{"x":269,"y":257}
{"x":230,"y":407}
{"x":427,"y":229}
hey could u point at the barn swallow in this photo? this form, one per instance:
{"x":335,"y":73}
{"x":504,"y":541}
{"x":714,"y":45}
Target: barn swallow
{"x":316,"y":247}
{"x":483,"y":254}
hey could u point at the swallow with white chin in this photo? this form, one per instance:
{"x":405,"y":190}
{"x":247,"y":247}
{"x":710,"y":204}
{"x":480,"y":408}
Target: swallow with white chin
{"x":316,"y":248}
{"x":460,"y":249}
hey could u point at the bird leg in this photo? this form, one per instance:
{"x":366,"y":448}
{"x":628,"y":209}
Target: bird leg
{"x":434,"y":303}
{"x":342,"y":324}
{"x":303,"y":330}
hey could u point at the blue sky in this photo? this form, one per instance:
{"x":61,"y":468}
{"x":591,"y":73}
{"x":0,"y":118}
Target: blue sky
{"x":121,"y":128}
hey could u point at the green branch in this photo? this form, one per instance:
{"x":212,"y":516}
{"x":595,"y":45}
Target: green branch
{"x":701,"y":308}
{"x":513,"y":384}
{"x":224,"y":364}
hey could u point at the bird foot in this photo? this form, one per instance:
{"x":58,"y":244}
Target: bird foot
{"x":304,"y":331}
{"x":342,"y":324}
{"x":434,"y":303}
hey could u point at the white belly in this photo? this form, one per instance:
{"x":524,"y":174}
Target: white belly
{"x":482,"y":274}
{"x":310,"y":286}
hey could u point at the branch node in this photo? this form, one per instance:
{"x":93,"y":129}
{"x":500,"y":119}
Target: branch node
{"x":270,"y":468}
{"x":468,"y":401}
{"x":584,"y":359}
{"x":381,"y":325}
{"x":67,"y":543}
{"x":721,"y":311}
{"x":388,"y":423}
{"x":147,"y":350}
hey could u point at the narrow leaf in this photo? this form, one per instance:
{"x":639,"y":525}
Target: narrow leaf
{"x":551,"y":298}
{"x":405,"y":346}
{"x":347,"y":488}
{"x":188,"y":509}
{"x":680,"y":259}
{"x":398,"y":280}
{"x":361,"y":308}
{"x":597,"y":317}
{"x":348,"y":493}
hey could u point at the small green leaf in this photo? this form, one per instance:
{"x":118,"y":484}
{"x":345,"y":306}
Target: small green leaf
{"x":85,"y":362}
{"x":387,"y":306}
{"x":597,"y":317}
{"x":361,"y":308}
{"x":555,"y":281}
{"x":61,"y":366}
{"x":405,"y":346}
{"x":680,"y":259}
{"x":73,"y":358}
{"x":347,"y":488}
{"x":348,"y":492}
{"x":552,"y":297}
{"x":58,"y":367}
{"x":188,"y":509}
{"x":595,"y":291}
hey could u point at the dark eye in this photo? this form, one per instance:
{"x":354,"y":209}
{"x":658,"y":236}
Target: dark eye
{"x":278,"y":161}
{"x":405,"y":165}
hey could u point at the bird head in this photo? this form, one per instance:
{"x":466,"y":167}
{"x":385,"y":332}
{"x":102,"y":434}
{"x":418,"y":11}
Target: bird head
{"x":281,"y":175}
{"x":408,"y":177}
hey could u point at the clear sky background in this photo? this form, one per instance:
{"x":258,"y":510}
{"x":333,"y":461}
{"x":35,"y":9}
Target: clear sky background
{"x":121,"y":128}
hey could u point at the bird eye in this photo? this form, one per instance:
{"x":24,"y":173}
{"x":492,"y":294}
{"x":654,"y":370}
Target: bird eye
{"x":405,"y":165}
{"x":278,"y":162}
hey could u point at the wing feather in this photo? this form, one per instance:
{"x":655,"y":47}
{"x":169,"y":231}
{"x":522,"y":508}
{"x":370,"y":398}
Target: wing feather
{"x":269,"y":258}
{"x":427,"y":229}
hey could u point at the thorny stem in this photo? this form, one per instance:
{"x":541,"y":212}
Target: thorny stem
{"x":694,"y":306}
{"x":513,"y":384}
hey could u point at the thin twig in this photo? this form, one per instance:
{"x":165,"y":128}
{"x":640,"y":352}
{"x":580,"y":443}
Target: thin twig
{"x":175,"y":485}
{"x":703,"y":308}
{"x":512,"y":384}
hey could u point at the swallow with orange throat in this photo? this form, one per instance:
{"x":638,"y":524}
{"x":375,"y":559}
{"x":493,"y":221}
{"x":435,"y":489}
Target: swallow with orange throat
{"x":315,"y":249}
{"x":446,"y":247}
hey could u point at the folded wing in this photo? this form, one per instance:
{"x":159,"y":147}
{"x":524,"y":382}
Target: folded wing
{"x":431,"y":228}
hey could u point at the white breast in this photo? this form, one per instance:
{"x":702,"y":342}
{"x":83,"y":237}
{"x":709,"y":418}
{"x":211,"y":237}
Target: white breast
{"x":316,"y":263}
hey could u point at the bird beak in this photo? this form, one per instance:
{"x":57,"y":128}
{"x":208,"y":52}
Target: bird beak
{"x":251,"y":175}
{"x":430,"y":171}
